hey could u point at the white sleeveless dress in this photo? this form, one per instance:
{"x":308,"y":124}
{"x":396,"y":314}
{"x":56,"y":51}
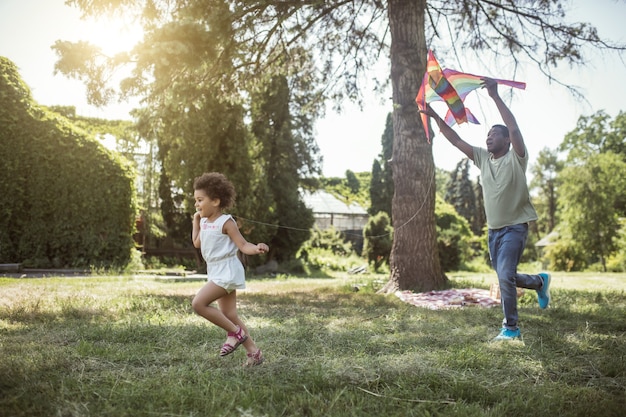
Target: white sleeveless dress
{"x":220,"y":254}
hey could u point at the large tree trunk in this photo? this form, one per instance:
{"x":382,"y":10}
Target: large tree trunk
{"x":414,"y":256}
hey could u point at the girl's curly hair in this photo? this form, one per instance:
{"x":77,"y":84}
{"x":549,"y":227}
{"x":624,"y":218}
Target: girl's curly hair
{"x":216,"y":185}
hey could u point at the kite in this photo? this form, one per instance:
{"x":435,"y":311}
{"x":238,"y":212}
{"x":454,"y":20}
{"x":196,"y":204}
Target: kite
{"x":451,"y":87}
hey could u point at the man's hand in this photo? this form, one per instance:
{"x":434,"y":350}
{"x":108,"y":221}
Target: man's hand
{"x":429,"y":112}
{"x":491,"y":85}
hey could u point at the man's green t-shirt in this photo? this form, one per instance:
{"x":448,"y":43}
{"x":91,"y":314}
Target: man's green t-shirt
{"x":505,"y":191}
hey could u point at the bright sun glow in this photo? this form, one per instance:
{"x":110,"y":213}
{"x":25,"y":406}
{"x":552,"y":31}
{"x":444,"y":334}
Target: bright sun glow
{"x":112,"y":35}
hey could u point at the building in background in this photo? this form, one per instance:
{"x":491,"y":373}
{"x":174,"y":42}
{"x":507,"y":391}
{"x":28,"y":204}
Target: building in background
{"x":329,"y":211}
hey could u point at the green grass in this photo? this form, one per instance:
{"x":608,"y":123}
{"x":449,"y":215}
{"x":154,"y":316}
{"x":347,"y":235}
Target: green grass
{"x":131,"y":346}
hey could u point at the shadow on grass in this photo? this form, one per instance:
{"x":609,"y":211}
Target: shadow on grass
{"x":328,"y":352}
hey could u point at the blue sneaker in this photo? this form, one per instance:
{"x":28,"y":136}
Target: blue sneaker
{"x":543,"y":293}
{"x":508,"y":334}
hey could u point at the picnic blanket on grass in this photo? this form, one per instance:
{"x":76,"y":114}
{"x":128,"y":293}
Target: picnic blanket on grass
{"x":448,"y":299}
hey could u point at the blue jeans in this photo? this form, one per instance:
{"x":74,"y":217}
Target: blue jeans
{"x":506,"y":246}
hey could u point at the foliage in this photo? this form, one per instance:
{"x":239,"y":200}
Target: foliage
{"x":378,"y":236}
{"x":324,"y":260}
{"x":545,"y":172}
{"x":597,"y":134}
{"x":285,"y":154}
{"x":194,"y":50}
{"x":617,"y":261}
{"x":590,"y":192}
{"x":460,"y":193}
{"x":330,"y":239}
{"x":377,"y":190}
{"x":132,"y":346}
{"x":328,"y":249}
{"x":566,"y":254}
{"x":342,"y":188}
{"x":381,"y":186}
{"x":454,"y":237}
{"x":442,"y":178}
{"x":65,"y":201}
{"x":480,"y":217}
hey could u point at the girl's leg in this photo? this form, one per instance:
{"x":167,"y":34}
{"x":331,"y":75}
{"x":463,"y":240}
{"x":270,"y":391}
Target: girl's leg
{"x":228,"y":306}
{"x":202,"y":305}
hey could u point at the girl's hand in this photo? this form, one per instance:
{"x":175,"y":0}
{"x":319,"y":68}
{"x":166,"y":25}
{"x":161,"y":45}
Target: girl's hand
{"x":262,"y":248}
{"x":196,"y":217}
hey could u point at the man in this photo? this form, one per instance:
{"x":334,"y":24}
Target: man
{"x":507,"y":206}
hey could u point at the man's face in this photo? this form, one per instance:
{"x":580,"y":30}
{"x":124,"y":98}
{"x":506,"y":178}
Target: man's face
{"x":497,"y":143}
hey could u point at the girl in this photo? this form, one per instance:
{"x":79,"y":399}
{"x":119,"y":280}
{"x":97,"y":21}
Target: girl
{"x":218,"y":237}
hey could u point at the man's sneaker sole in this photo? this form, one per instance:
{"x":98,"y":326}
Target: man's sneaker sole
{"x":543,"y":294}
{"x":506,"y":335}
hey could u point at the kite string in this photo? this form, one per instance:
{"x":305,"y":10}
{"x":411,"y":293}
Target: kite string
{"x":430,"y":184}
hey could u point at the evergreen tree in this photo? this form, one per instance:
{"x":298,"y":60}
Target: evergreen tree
{"x":381,"y":190}
{"x":377,"y":193}
{"x":480,"y":219}
{"x":460,"y":192}
{"x":352,"y":182}
{"x":273,"y":129}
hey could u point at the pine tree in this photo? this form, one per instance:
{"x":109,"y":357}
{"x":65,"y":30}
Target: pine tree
{"x":381,"y":189}
{"x":460,"y":191}
{"x":280,"y":161}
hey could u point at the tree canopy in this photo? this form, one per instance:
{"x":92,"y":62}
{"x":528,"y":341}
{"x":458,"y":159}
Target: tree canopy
{"x":198,"y":54}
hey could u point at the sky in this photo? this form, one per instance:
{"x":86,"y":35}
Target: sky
{"x":349,"y":140}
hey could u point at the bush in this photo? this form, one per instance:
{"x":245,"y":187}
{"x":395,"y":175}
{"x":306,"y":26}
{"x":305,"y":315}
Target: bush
{"x":328,"y":249}
{"x":323,"y":259}
{"x":330,"y":239}
{"x":454,"y":236}
{"x":378,"y":237}
{"x":617,"y":261}
{"x":65,"y":200}
{"x":565,"y":255}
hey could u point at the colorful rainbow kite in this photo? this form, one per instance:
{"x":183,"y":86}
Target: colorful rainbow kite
{"x":452,"y":87}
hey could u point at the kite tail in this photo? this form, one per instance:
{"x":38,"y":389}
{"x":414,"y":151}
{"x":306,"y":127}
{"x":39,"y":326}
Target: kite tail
{"x":451,"y":120}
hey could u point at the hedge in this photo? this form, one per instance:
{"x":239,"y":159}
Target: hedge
{"x":65,"y":200}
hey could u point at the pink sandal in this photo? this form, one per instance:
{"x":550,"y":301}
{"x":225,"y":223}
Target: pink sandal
{"x":227,"y":348}
{"x":254,"y":359}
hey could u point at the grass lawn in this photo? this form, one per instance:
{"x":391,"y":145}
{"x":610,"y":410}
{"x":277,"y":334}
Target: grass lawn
{"x":131,"y":346}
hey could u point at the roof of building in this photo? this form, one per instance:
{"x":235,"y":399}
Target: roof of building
{"x":548,"y":240}
{"x":323,"y":202}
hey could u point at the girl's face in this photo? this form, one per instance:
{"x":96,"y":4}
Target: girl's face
{"x":206,"y":206}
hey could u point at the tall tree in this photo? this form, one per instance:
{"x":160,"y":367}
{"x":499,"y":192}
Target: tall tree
{"x":333,"y":43}
{"x":377,"y":199}
{"x":597,"y":134}
{"x":480,"y":220}
{"x":460,"y":192}
{"x":588,"y":198}
{"x":352,"y":182}
{"x":545,"y":171}
{"x":381,"y":191}
{"x":282,"y":162}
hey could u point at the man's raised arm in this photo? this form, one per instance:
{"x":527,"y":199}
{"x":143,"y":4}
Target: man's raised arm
{"x":450,"y":134}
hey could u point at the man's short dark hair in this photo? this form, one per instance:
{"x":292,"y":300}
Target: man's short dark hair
{"x":503,"y":129}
